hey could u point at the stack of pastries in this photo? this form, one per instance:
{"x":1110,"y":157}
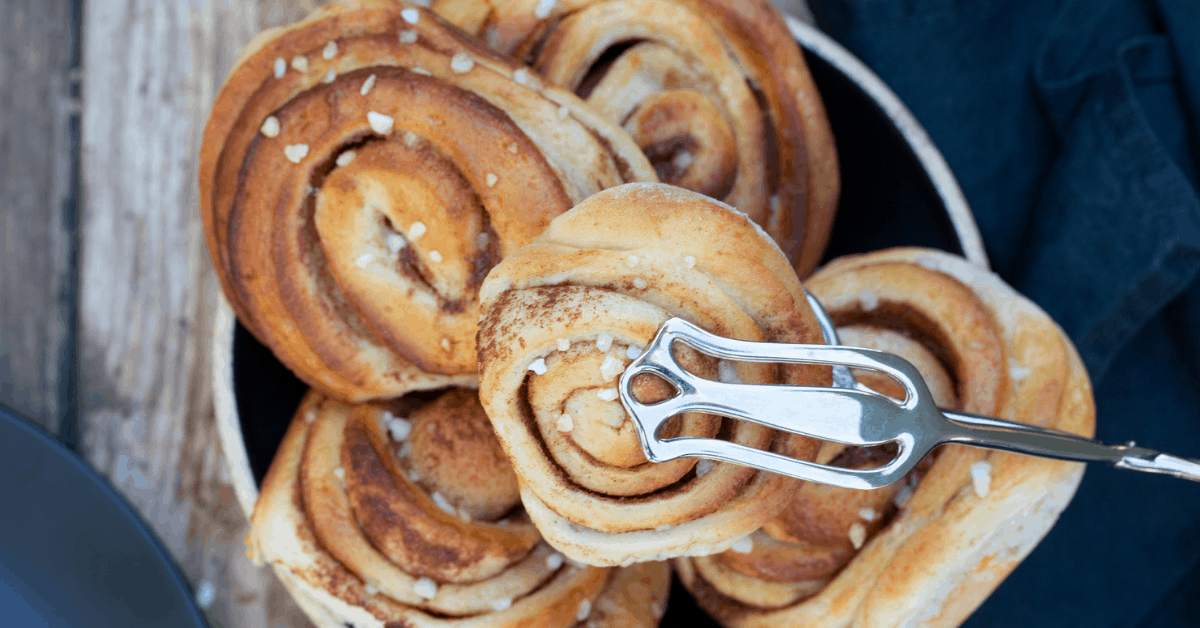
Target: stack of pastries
{"x":459,"y":224}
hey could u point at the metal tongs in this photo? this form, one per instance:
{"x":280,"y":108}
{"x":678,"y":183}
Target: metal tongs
{"x":848,"y":413}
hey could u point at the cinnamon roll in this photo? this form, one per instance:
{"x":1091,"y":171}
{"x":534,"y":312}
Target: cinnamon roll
{"x":407,"y":513}
{"x":928,"y":550}
{"x":363,"y":170}
{"x":562,"y":318}
{"x":716,"y":92}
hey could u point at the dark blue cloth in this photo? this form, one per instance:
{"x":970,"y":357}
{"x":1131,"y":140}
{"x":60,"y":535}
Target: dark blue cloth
{"x":1074,"y":129}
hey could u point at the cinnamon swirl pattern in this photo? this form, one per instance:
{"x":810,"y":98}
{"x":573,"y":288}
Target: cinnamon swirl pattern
{"x":562,"y":318}
{"x":406,"y":513}
{"x":361,"y":173}
{"x":926,"y":551}
{"x":716,"y":93}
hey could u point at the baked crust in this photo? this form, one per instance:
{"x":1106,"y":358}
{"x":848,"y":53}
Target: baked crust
{"x":374,"y":531}
{"x":716,"y":92}
{"x":931,"y":556}
{"x":363,"y":169}
{"x":572,"y":306}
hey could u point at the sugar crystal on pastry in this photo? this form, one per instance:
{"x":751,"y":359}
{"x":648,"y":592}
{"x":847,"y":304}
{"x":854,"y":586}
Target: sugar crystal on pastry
{"x":425,"y":588}
{"x":441,"y":502}
{"x":981,"y":477}
{"x":416,"y":230}
{"x":868,"y":299}
{"x":270,"y":126}
{"x":858,"y":535}
{"x":295,"y":152}
{"x":461,"y":63}
{"x":397,"y":427}
{"x":395,"y":242}
{"x":611,"y":368}
{"x":380,"y":123}
{"x":1018,"y":372}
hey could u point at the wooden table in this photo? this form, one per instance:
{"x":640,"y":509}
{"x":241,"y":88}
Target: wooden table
{"x":106,"y":289}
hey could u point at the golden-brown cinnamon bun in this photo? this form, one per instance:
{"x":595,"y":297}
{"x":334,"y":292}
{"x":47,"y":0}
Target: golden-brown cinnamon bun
{"x":362,"y":170}
{"x":716,"y":92}
{"x":406,"y":513}
{"x":928,"y":550}
{"x":562,"y":318}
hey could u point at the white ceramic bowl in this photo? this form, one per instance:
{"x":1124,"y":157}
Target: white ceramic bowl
{"x":894,"y":181}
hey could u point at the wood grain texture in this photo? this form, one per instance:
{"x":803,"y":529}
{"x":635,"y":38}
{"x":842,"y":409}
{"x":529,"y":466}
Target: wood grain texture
{"x":36,"y":110}
{"x":147,"y":291}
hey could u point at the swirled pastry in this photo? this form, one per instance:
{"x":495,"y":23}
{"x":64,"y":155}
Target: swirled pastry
{"x":715,"y":92}
{"x":361,"y":172}
{"x":929,"y":550}
{"x":407,"y":513}
{"x":562,"y":318}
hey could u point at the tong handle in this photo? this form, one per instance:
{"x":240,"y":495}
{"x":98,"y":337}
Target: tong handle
{"x":725,"y":451}
{"x":970,"y":429}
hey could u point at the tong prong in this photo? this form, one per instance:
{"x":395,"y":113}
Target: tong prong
{"x":849,"y":416}
{"x":725,"y":451}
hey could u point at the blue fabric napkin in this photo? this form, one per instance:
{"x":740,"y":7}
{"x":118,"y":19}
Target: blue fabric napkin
{"x":1074,"y":129}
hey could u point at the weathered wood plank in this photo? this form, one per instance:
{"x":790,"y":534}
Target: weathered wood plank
{"x":273,"y":13}
{"x":151,"y":70}
{"x":36,"y":173}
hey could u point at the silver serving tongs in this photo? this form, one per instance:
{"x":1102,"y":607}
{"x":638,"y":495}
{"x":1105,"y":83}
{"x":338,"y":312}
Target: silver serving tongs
{"x":848,"y":413}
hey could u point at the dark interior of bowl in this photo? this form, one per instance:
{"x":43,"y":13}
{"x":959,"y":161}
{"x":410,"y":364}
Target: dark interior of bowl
{"x":887,"y":200}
